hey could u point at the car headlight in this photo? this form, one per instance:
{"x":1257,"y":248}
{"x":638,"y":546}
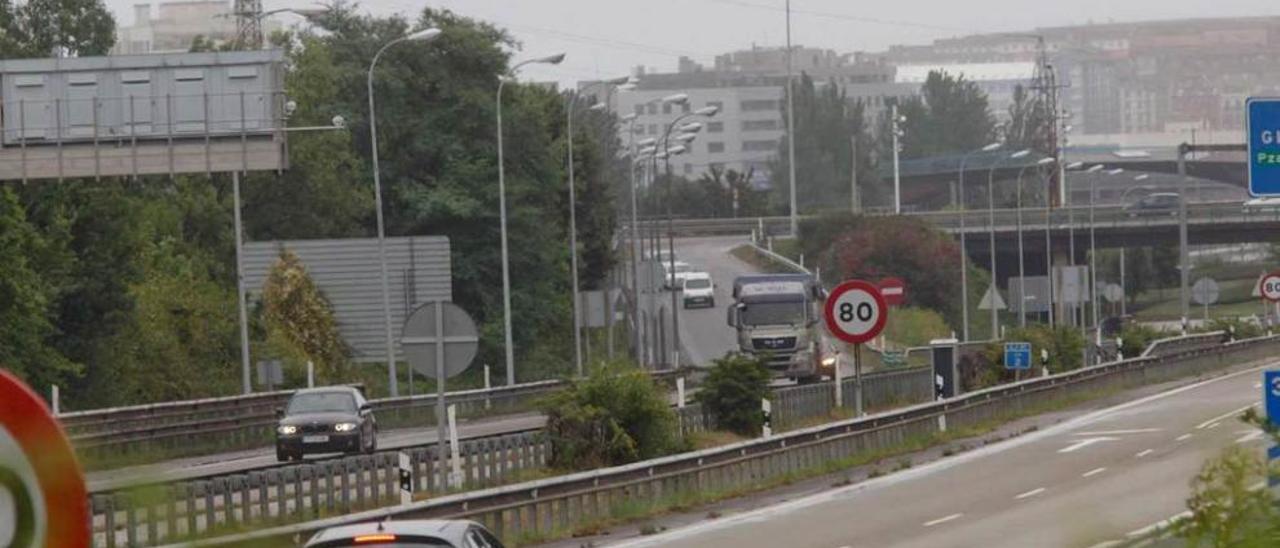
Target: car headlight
{"x":287,"y":429}
{"x":344,"y":426}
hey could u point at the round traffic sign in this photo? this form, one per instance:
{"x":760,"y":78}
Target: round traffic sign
{"x":894,"y":291}
{"x":444,"y":324}
{"x":856,"y":311}
{"x":1269,"y":287}
{"x":42,"y":494}
{"x":1205,"y":291}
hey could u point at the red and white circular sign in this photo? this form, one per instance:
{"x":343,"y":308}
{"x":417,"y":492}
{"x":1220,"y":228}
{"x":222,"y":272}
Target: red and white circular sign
{"x":1269,"y":287}
{"x":894,"y":291}
{"x":856,"y":311}
{"x":42,"y":493}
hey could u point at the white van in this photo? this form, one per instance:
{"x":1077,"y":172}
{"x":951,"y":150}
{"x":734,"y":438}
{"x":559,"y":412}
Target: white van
{"x":698,"y":290}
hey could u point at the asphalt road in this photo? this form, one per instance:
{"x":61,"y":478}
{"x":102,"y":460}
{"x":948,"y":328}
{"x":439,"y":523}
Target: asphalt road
{"x":227,"y":463}
{"x":1091,"y":481}
{"x":704,"y":334}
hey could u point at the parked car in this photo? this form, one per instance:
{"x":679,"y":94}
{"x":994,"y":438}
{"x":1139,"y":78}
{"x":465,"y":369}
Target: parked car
{"x":698,"y":289}
{"x":1159,"y":203}
{"x":325,"y":420}
{"x":454,"y":533}
{"x":682,"y":269}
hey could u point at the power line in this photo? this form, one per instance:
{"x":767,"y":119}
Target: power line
{"x":844,"y":17}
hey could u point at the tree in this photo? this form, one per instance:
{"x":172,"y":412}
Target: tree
{"x":26,"y":342}
{"x":950,"y":116}
{"x":1225,"y":509}
{"x":57,"y":27}
{"x":296,"y":311}
{"x":732,"y":391}
{"x":827,"y":123}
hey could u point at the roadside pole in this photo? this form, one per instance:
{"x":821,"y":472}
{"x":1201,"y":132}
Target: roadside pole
{"x":857,"y":380}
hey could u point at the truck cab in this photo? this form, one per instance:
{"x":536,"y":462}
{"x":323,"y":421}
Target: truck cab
{"x":777,"y":316}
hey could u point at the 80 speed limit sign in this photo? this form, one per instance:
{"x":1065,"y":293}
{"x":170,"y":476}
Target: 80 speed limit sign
{"x":1270,"y":287}
{"x":855,"y":311}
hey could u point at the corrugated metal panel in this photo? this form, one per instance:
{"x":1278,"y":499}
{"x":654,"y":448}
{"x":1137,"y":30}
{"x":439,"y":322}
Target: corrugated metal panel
{"x":186,"y":95}
{"x":347,"y":272}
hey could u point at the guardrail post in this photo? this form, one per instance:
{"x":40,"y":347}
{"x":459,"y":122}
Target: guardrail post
{"x":209,"y":518}
{"x":54,"y":400}
{"x":106,"y":505}
{"x":345,"y":467}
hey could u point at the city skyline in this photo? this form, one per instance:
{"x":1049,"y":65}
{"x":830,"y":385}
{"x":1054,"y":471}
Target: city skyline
{"x":602,"y":44}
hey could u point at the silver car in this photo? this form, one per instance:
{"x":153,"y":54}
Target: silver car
{"x":440,"y":533}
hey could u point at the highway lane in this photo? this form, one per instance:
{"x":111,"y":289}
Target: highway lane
{"x":1093,"y":479}
{"x":237,"y":461}
{"x":704,"y":336}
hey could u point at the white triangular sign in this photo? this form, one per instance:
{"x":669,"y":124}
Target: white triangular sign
{"x":986,"y":300}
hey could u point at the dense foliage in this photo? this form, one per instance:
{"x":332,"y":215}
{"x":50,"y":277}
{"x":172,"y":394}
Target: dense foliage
{"x":732,"y":390}
{"x":828,"y":127}
{"x":123,"y":291}
{"x":615,"y":416}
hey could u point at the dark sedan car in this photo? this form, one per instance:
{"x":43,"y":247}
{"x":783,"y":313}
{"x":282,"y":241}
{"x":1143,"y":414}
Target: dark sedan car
{"x":325,"y":420}
{"x":1160,"y":203}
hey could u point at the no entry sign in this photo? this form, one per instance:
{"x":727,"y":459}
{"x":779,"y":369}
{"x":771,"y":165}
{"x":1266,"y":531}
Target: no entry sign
{"x":856,"y":312}
{"x":894,"y":291}
{"x":40,"y":479}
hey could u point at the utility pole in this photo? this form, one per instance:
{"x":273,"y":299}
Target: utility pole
{"x":791,"y":130}
{"x":854,"y":199}
{"x":249,"y":23}
{"x":897,"y":183}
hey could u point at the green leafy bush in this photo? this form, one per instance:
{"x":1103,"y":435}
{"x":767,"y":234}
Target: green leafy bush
{"x":1240,"y":328}
{"x":1137,"y":337}
{"x":615,"y":416}
{"x":1225,"y":510}
{"x":732,"y":392}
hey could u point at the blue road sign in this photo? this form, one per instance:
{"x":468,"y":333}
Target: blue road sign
{"x":1017,"y":355}
{"x":1263,"y":126}
{"x":1271,"y":395}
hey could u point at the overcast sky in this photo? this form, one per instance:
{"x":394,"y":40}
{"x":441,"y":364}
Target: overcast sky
{"x":605,"y":38}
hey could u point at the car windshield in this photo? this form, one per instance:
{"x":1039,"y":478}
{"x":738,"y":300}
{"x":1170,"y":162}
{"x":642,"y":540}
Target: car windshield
{"x":792,"y":313}
{"x":322,"y":402}
{"x":697,"y":283}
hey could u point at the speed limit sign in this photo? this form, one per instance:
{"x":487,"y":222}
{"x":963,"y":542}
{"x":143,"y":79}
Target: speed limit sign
{"x":1269,"y":287}
{"x":42,"y":494}
{"x":855,"y":311}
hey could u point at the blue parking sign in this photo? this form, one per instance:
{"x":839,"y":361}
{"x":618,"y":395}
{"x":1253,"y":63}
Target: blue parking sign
{"x":1017,"y":355}
{"x":1262,"y":121}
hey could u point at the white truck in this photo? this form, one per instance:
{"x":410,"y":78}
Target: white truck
{"x":778,"y":316}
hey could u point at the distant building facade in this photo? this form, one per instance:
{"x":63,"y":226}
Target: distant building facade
{"x":176,"y":25}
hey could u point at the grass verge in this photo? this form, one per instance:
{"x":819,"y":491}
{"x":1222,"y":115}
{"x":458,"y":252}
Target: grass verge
{"x":764,"y":263}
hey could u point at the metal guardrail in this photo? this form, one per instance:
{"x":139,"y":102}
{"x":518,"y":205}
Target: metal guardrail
{"x":1173,"y":345}
{"x":248,"y":420}
{"x":545,"y":506}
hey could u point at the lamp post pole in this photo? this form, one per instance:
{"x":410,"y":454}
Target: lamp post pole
{"x":422,"y":35}
{"x":991,"y":219}
{"x":509,"y":349}
{"x":964,"y":256}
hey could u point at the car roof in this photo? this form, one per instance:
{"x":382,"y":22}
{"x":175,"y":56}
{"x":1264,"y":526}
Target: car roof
{"x":451,"y":530}
{"x":1163,"y":194}
{"x":697,"y":276}
{"x":327,"y":390}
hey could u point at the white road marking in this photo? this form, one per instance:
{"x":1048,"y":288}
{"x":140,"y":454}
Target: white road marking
{"x":925,"y":470}
{"x":1119,"y":432}
{"x":1093,"y":472}
{"x":1257,"y":385}
{"x":1212,"y":426}
{"x":1107,"y":544}
{"x":1143,"y":453}
{"x":942,"y":520}
{"x":1083,"y":443}
{"x":1030,"y":493}
{"x":1182,"y":437}
{"x":1226,"y":415}
{"x":1249,"y":437}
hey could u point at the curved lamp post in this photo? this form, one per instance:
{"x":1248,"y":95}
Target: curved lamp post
{"x":424,"y":35}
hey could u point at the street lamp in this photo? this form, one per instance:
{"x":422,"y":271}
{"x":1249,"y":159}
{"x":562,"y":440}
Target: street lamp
{"x":573,"y":219}
{"x":897,"y":120}
{"x":1093,"y":254}
{"x":1124,"y":288}
{"x":502,"y":215}
{"x":991,"y":219}
{"x":705,"y":112}
{"x":964,"y":257}
{"x":630,"y":120}
{"x":424,"y":35}
{"x":1022,"y":266}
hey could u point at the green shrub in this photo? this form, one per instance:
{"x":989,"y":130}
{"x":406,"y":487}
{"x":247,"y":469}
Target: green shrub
{"x":1225,"y":510}
{"x":732,"y":392}
{"x":1242,"y":329}
{"x":615,"y":416}
{"x":1137,"y":337}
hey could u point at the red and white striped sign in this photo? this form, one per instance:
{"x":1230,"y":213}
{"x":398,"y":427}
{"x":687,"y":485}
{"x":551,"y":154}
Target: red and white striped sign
{"x":894,"y":291}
